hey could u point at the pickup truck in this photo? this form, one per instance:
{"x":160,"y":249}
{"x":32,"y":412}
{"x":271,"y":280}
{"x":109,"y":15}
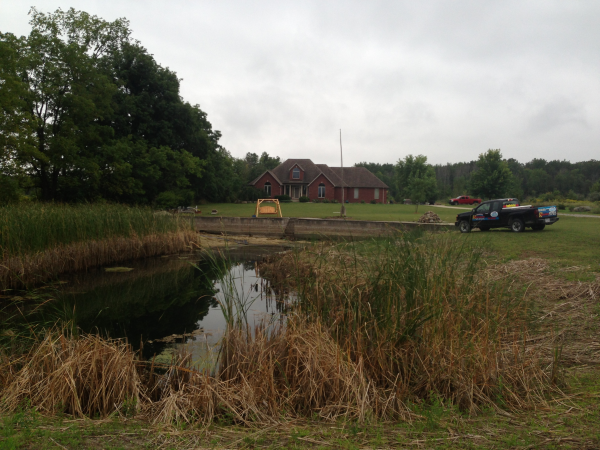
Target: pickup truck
{"x":506,"y":213}
{"x":464,"y":200}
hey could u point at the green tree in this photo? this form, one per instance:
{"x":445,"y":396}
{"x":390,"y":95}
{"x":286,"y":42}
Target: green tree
{"x":88,"y":114}
{"x":415,"y":179}
{"x":65,"y":97}
{"x":16,"y":126}
{"x":492,"y":178}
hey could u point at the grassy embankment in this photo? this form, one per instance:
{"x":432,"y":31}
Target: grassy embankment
{"x":40,"y":241}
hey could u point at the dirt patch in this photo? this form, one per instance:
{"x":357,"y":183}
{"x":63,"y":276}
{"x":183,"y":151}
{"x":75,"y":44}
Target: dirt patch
{"x":211,"y":241}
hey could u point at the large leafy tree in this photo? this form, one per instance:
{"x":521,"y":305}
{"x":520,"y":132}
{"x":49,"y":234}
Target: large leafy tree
{"x":492,"y":176}
{"x":88,"y":113}
{"x":416,"y":179}
{"x":64,"y":97}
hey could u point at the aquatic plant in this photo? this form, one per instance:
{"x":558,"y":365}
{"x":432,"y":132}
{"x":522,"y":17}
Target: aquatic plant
{"x":39,"y":241}
{"x":377,"y":325}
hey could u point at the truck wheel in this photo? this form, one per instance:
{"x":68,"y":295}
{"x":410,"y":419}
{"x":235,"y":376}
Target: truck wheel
{"x":517,"y":226}
{"x":538,"y":227}
{"x":464,"y":226}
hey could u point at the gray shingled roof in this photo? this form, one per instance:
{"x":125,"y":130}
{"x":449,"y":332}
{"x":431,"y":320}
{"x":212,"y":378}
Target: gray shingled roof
{"x":353,"y":176}
{"x":311,"y":171}
{"x":359,"y":177}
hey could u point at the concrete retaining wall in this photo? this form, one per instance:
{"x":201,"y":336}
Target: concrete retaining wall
{"x":297,"y":228}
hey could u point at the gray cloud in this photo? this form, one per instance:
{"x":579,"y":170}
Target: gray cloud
{"x":445,"y":79}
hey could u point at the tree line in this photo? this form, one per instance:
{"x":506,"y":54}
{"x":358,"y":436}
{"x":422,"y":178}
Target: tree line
{"x":490,"y":176}
{"x":87,"y":114}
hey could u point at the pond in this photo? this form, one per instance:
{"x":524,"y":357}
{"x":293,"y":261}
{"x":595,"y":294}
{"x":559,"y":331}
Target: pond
{"x":165,"y":303}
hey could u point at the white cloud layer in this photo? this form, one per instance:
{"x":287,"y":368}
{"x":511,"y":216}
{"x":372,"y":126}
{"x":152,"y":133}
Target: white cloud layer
{"x":445,"y":79}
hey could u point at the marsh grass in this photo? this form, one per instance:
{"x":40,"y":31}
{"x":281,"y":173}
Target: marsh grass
{"x":377,"y":328}
{"x":39,"y":241}
{"x":419,"y":318}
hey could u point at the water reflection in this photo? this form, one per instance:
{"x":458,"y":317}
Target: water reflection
{"x":165,"y":303}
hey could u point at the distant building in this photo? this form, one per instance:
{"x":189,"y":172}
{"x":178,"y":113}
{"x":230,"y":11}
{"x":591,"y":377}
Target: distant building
{"x":302,"y":177}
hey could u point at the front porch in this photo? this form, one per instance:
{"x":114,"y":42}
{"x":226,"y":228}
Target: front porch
{"x":295,"y":191}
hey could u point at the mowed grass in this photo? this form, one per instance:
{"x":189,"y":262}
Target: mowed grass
{"x":572,"y":241}
{"x":357,"y":211}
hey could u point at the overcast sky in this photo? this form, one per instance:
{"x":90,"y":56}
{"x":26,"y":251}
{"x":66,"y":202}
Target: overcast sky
{"x":446,"y":79}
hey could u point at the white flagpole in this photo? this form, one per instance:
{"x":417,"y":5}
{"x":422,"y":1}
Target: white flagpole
{"x":343,"y":210}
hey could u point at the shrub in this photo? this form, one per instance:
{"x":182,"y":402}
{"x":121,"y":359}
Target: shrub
{"x":334,"y":201}
{"x":304,"y":199}
{"x":315,"y":200}
{"x":282,"y":198}
{"x":561,"y":207}
{"x":362,"y":201}
{"x":325,"y":200}
{"x":373,"y":202}
{"x":594,"y":196}
{"x":173,"y":199}
{"x":9,"y":190}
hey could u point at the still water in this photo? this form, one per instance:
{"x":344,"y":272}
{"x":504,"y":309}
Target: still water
{"x":166,"y":303}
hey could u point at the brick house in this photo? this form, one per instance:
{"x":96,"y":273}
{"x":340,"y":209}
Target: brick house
{"x":302,"y":177}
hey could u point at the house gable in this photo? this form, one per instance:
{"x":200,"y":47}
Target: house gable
{"x":296,"y":173}
{"x":268,"y":178}
{"x":313,"y":188}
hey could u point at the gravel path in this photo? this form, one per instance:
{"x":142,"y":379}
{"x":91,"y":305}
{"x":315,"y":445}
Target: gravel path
{"x":580,"y":215}
{"x":595,"y":216}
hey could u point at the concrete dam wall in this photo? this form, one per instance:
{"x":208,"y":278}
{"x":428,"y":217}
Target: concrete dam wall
{"x":306,"y":228}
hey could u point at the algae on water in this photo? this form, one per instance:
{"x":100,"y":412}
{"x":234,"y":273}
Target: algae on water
{"x":118,"y":269}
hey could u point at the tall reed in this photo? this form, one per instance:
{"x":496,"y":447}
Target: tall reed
{"x":416,"y":315}
{"x":39,"y":241}
{"x":27,"y":228}
{"x":377,"y":325}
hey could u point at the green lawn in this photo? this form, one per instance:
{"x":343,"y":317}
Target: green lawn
{"x":358,"y":211}
{"x":571,"y":241}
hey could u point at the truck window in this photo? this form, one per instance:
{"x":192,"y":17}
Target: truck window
{"x":483,"y":208}
{"x":496,"y":206}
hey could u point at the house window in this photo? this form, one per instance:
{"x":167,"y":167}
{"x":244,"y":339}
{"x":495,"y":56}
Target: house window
{"x":296,"y":173}
{"x":355,"y":192}
{"x":268,"y":188}
{"x":287,"y":189}
{"x":376,"y":193}
{"x":304,"y":191}
{"x":321,"y":190}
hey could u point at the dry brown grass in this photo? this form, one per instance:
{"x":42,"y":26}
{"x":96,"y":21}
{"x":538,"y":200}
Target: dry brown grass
{"x":39,"y":267}
{"x":84,"y":377}
{"x":564,"y":313}
{"x":474,"y":353}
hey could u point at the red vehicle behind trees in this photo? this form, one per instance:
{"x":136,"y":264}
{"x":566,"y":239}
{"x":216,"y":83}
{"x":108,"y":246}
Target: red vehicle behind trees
{"x":464,"y":200}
